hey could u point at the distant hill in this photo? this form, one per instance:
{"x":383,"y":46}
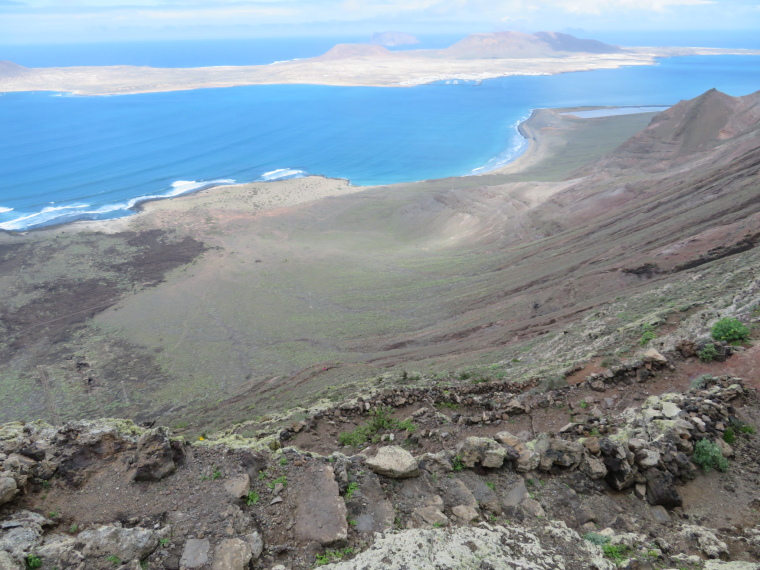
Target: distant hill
{"x":521,"y":45}
{"x":346,"y":51}
{"x":391,"y":39}
{"x":499,"y":45}
{"x":692,"y":126}
{"x":10,"y":69}
{"x":566,"y":42}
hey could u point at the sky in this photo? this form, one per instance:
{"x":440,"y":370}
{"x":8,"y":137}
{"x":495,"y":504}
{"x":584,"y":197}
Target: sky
{"x":63,"y":21}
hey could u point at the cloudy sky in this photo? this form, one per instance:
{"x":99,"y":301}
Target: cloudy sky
{"x":50,"y":21}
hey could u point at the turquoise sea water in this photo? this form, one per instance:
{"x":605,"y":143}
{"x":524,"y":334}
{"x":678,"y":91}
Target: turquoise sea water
{"x":64,"y":158}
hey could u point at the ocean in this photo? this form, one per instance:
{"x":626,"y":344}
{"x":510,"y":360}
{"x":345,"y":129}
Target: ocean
{"x":64,"y":158}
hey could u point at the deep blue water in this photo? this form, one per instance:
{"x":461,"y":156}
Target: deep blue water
{"x":65,"y":158}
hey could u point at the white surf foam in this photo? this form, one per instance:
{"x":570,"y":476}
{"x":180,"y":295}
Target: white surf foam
{"x":282,"y":173}
{"x":4,"y":210}
{"x":43,"y":216}
{"x":517,"y":146}
{"x":50,"y":214}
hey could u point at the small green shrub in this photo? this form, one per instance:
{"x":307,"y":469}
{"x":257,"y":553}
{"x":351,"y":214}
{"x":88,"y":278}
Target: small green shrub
{"x":252,"y":498}
{"x":647,"y":335}
{"x":608,"y":361}
{"x":730,"y":330}
{"x":113,"y":559}
{"x":381,"y":420}
{"x":281,"y":479}
{"x":217,"y":474}
{"x":748,"y":429}
{"x":700,"y":382}
{"x":491,"y":485}
{"x":457,"y":464}
{"x":729,"y":436}
{"x":615,"y":552}
{"x":596,"y":538}
{"x":708,"y":456}
{"x":708,"y":353}
{"x":352,"y":488}
{"x":33,"y":561}
{"x":333,"y":556}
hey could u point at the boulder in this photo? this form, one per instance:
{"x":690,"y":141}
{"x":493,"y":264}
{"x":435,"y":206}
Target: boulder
{"x":670,"y":410}
{"x":239,"y":486}
{"x":8,"y":489}
{"x":466,"y":513}
{"x":661,"y":489}
{"x":481,"y":450}
{"x":516,"y":495}
{"x":432,"y":516}
{"x":126,"y":543}
{"x":653,"y":355}
{"x":232,"y":554}
{"x":321,"y":511}
{"x":21,"y":533}
{"x":196,"y":553}
{"x":155,"y":455}
{"x":593,"y":467}
{"x":706,"y":540}
{"x":647,"y":458}
{"x":394,"y":462}
{"x":256,"y":543}
{"x":558,"y":452}
{"x":8,"y":563}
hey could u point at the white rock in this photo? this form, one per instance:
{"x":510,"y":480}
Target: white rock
{"x":394,"y":462}
{"x":232,"y":554}
{"x":126,"y":543}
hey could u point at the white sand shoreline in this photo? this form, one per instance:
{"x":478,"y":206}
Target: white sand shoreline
{"x":269,"y":195}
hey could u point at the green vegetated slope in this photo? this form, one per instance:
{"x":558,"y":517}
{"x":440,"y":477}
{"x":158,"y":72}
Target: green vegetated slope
{"x":435,"y":276}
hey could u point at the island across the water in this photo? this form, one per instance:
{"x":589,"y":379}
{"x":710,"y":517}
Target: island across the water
{"x":475,"y":58}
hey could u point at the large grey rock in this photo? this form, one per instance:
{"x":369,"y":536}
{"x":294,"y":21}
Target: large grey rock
{"x":467,"y":547}
{"x":483,"y":450}
{"x":59,"y":550}
{"x":554,"y":451}
{"x":126,"y":543}
{"x":239,"y":486}
{"x":195,"y":554}
{"x":661,"y":489}
{"x":256,"y":543}
{"x":466,"y":513}
{"x":670,"y":410}
{"x":21,"y":533}
{"x":8,"y":563}
{"x":321,"y":511}
{"x":8,"y":489}
{"x":155,"y":455}
{"x":706,"y":540}
{"x":647,"y":458}
{"x":232,"y":554}
{"x":516,"y":495}
{"x":394,"y":462}
{"x":432,"y":516}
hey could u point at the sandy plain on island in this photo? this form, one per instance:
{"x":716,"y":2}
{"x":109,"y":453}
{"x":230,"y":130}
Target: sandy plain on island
{"x":391,"y":69}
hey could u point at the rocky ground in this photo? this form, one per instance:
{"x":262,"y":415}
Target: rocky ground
{"x":605,"y":472}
